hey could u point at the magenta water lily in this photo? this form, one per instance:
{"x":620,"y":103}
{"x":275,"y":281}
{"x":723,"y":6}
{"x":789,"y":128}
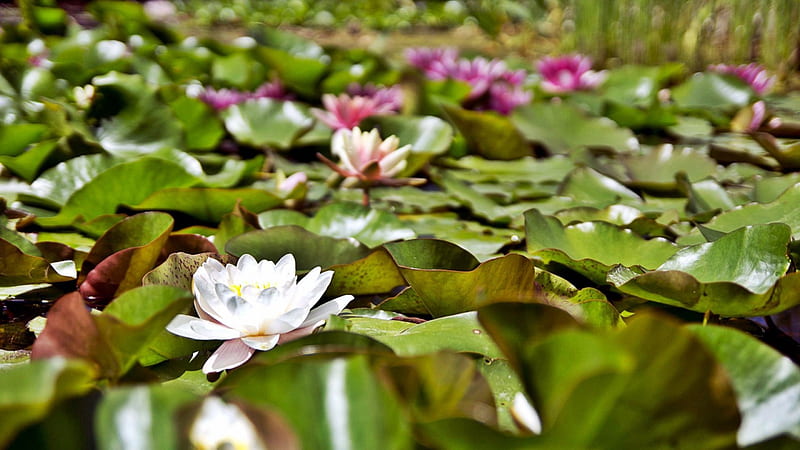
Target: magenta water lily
{"x":568,"y":73}
{"x":753,"y":74}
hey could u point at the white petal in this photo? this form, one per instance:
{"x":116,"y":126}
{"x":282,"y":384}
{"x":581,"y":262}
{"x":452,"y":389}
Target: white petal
{"x":262,"y":343}
{"x":206,"y":299}
{"x":325,"y":310}
{"x":194,"y":328}
{"x":309,"y":290}
{"x":230,"y":354}
{"x":286,"y":322}
{"x":248,"y":266}
{"x":285,"y":268}
{"x":525,"y":414}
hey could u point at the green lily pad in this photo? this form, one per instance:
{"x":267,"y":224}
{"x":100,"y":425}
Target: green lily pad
{"x":208,"y":204}
{"x":18,"y":267}
{"x":530,"y":169}
{"x":37,"y":387}
{"x":328,"y":402}
{"x":369,"y":226}
{"x":459,"y":333}
{"x":57,"y":184}
{"x":656,"y":169}
{"x":202,"y":128}
{"x":688,"y":404}
{"x":766,"y":383}
{"x":563,"y":128}
{"x":309,"y":249}
{"x":446,"y":292}
{"x":268,"y":123}
{"x":123,"y":254}
{"x":374,"y":274}
{"x":712,"y":90}
{"x":479,"y":204}
{"x":490,"y":135}
{"x":739,"y":274}
{"x":591,"y":248}
{"x":591,"y":186}
{"x":124,"y":184}
{"x":782,"y":210}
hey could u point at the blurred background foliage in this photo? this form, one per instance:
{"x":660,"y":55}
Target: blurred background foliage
{"x":613,"y":32}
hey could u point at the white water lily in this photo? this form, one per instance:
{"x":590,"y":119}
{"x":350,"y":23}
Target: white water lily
{"x":223,"y":425}
{"x":254,"y":306}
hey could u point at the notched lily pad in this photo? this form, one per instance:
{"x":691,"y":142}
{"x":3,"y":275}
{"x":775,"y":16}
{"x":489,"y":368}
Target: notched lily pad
{"x":740,"y":274}
{"x":591,"y":248}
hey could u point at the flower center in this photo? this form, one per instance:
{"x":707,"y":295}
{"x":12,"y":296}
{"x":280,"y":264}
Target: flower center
{"x":237,"y":288}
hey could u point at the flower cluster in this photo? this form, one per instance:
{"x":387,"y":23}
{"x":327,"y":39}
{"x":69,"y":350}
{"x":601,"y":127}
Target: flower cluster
{"x":492,"y":85}
{"x":254,"y":306}
{"x":753,"y":74}
{"x":568,"y":73}
{"x":349,"y":109}
{"x":220,"y":99}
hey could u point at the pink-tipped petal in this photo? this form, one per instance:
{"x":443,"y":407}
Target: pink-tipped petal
{"x":229,"y":355}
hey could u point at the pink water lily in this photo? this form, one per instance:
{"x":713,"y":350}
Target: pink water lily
{"x":220,"y":99}
{"x":254,"y":306}
{"x":365,"y":157}
{"x":435,"y":63}
{"x":348,"y":110}
{"x":493,"y":86}
{"x":568,"y":73}
{"x":753,"y":74}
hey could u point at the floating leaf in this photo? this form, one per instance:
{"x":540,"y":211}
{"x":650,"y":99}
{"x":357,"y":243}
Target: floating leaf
{"x":309,"y":249}
{"x":268,"y":123}
{"x":124,"y":184}
{"x":582,"y":383}
{"x":767,"y":384}
{"x":369,"y":226}
{"x":740,"y":274}
{"x":121,"y":257}
{"x":209,"y":204}
{"x":37,"y":387}
{"x":459,"y":333}
{"x":490,"y":135}
{"x":591,"y":248}
{"x":349,"y":405}
{"x":562,"y":128}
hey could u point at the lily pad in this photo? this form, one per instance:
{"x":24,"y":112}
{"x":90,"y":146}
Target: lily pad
{"x":37,"y":387}
{"x":268,"y":123}
{"x":563,"y":128}
{"x":739,"y":274}
{"x":560,"y":364}
{"x":309,"y":249}
{"x":124,"y":184}
{"x":767,"y":384}
{"x":490,"y":135}
{"x":591,"y":248}
{"x":369,"y":226}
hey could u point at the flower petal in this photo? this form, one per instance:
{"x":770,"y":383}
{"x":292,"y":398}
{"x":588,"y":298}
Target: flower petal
{"x":298,"y":333}
{"x":230,"y":354}
{"x":194,"y":328}
{"x":325,"y":310}
{"x":286,"y":322}
{"x":262,"y":343}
